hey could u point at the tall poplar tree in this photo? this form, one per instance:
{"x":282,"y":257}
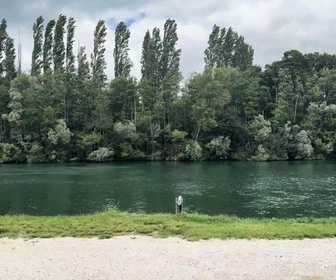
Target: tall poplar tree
{"x":59,"y":48}
{"x":228,"y":45}
{"x":122,"y":62}
{"x":170,"y":59}
{"x":221,"y":60}
{"x":150,"y":68}
{"x":227,"y":49}
{"x":170,"y":76}
{"x":98,"y":62}
{"x":3,"y":36}
{"x":145,"y":55}
{"x":36,"y":65}
{"x":212,"y":53}
{"x":243,"y":55}
{"x":70,"y":57}
{"x":9,"y":63}
{"x":154,"y":58}
{"x":83,"y":70}
{"x":47,"y":46}
{"x":85,"y":95}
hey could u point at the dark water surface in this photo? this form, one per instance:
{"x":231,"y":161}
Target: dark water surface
{"x":245,"y":189}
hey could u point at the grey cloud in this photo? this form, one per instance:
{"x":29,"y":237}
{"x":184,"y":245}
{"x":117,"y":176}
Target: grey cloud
{"x":271,"y":27}
{"x":97,"y":5}
{"x":19,"y":12}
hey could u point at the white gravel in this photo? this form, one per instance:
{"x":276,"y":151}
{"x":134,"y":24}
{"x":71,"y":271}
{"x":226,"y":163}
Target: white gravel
{"x":140,"y":257}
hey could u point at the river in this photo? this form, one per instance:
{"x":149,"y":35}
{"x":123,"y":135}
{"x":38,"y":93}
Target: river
{"x":244,"y":189}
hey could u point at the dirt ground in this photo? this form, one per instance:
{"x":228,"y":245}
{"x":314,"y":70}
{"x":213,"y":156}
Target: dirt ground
{"x":140,"y":257}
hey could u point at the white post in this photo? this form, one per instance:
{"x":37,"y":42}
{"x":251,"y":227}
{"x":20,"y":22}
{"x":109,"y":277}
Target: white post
{"x":178,"y":204}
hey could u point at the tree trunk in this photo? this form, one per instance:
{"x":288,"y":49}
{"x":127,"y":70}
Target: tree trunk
{"x":296,"y":104}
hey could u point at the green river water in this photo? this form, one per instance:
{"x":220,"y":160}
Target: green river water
{"x":244,"y":189}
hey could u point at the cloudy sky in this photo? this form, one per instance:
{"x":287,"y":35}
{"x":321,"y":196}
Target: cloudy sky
{"x":270,"y":26}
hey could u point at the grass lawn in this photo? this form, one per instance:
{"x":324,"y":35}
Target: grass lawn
{"x":189,"y":226}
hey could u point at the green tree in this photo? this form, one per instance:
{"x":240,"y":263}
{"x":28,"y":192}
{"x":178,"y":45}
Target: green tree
{"x":243,"y":55}
{"x":69,"y":55}
{"x":9,"y":63}
{"x":3,"y":36}
{"x":248,"y":97}
{"x":102,"y":154}
{"x":37,"y":63}
{"x":151,"y":57}
{"x":9,"y":153}
{"x":33,"y":103}
{"x":206,"y":95}
{"x":327,"y":86}
{"x":193,"y":150}
{"x":100,"y":119}
{"x":59,"y":138}
{"x":303,"y":145}
{"x":126,"y":138}
{"x":88,"y":143}
{"x":149,"y":86}
{"x":148,"y":127}
{"x":170,"y":76}
{"x":122,"y":62}
{"x":145,"y":62}
{"x":98,"y":63}
{"x":219,"y":147}
{"x":290,"y":101}
{"x":170,"y":89}
{"x":320,"y":121}
{"x":227,"y":49}
{"x":260,"y":129}
{"x":85,"y":91}
{"x":175,"y":144}
{"x":17,"y":144}
{"x":211,"y":53}
{"x":83,"y":70}
{"x":170,"y":58}
{"x":123,"y":99}
{"x":14,"y":118}
{"x":59,"y":47}
{"x":48,"y":46}
{"x":259,"y":144}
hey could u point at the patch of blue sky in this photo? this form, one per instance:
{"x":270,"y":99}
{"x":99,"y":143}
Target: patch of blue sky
{"x":112,"y":23}
{"x":142,"y":15}
{"x":130,"y":21}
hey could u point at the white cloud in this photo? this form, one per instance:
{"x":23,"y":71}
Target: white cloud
{"x":271,"y":27}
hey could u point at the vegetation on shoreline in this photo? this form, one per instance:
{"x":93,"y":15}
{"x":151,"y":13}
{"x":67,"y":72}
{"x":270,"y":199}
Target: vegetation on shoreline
{"x":189,"y":226}
{"x":67,"y":109}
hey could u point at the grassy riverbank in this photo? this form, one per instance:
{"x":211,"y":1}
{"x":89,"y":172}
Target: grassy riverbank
{"x":190,"y":226}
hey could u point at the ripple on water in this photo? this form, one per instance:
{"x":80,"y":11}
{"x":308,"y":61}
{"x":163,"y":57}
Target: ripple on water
{"x":300,"y":196}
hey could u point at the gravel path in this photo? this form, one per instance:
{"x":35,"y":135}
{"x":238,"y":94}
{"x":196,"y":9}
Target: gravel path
{"x":139,"y":257}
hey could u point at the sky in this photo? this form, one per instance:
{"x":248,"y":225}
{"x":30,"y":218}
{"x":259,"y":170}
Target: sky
{"x":271,"y":27}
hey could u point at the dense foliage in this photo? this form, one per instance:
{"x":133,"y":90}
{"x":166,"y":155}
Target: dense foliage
{"x":67,"y":110}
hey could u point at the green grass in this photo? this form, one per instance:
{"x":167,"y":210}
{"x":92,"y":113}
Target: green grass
{"x":189,"y":226}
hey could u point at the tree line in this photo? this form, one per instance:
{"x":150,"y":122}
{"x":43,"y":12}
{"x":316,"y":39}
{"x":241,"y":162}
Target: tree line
{"x":65,"y":109}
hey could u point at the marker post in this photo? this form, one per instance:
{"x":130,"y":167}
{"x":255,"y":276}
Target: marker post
{"x":178,"y":204}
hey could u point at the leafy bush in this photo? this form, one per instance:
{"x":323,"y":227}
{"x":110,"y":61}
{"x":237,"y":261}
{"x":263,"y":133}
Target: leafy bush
{"x":9,"y":153}
{"x":35,"y":153}
{"x":194,"y":150}
{"x":102,"y":154}
{"x":219,"y":146}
